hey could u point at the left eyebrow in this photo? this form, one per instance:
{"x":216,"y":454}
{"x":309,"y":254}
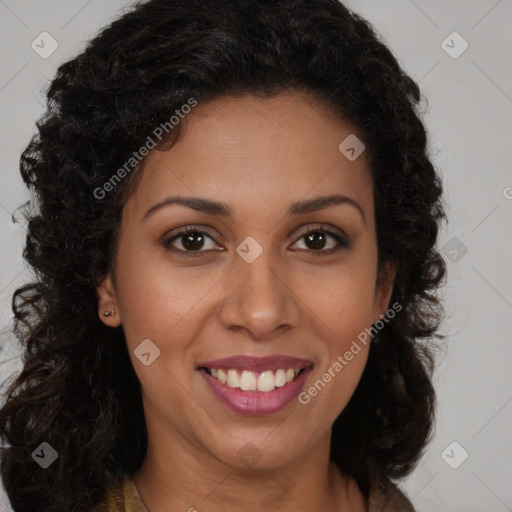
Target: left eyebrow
{"x":211,"y":207}
{"x":322,"y":202}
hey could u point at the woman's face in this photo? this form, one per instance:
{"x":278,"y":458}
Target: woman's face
{"x":270,"y":271}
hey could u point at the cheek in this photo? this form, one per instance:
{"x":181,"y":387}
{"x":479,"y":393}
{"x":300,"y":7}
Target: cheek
{"x":341,"y":307}
{"x":163,"y":306}
{"x":158,"y":300}
{"x":340,"y":320}
{"x":339,"y":301}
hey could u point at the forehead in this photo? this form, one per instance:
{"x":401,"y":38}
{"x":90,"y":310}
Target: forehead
{"x":252,"y":152}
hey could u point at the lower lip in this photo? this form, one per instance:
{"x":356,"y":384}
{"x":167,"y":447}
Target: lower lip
{"x":256,"y":402}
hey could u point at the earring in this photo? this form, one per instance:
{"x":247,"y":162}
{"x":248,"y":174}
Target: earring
{"x":108,"y":313}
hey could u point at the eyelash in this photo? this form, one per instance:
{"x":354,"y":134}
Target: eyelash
{"x":341,"y":240}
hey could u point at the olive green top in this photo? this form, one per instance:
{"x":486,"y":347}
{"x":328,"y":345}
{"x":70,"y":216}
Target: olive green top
{"x":124,"y":497}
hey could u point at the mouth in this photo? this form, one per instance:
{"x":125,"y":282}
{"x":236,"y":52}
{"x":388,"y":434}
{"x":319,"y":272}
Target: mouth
{"x":256,"y":385}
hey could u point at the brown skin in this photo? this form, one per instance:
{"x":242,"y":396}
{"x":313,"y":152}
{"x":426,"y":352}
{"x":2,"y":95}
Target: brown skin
{"x":258,"y":156}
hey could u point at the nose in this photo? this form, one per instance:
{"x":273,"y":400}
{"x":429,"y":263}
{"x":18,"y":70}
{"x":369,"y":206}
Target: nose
{"x":258,"y":299}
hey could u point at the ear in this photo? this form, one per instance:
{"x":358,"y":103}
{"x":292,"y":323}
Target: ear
{"x":107,"y":302}
{"x":383,"y":290}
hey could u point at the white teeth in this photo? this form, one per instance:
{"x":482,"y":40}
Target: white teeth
{"x":248,"y":381}
{"x":280,"y":378}
{"x":221,"y":375}
{"x":233,"y":379}
{"x":252,"y":381}
{"x":266,"y":381}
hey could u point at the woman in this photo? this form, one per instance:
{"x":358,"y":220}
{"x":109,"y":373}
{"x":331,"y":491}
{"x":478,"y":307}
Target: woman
{"x":236,"y":267}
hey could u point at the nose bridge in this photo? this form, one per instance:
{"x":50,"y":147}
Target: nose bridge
{"x":260,"y":276}
{"x":258,"y":298}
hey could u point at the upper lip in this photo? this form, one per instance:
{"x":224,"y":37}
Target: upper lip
{"x":257,"y":364}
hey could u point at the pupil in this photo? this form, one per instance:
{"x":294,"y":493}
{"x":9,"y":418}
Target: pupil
{"x":189,"y":241}
{"x":317,"y":240}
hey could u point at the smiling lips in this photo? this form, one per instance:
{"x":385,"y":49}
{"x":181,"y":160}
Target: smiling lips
{"x":256,"y":385}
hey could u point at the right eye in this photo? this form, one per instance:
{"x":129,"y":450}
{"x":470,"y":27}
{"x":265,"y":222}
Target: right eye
{"x":191,"y":240}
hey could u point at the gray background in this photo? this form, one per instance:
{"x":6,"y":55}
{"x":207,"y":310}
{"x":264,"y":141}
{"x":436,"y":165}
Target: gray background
{"x":468,"y":115}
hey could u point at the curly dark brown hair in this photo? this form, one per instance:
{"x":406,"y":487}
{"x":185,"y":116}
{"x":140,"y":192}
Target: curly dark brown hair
{"x":78,"y":390}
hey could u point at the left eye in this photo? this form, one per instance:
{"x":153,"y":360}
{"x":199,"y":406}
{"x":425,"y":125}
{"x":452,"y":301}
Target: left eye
{"x":192,"y":240}
{"x":319,"y":237}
